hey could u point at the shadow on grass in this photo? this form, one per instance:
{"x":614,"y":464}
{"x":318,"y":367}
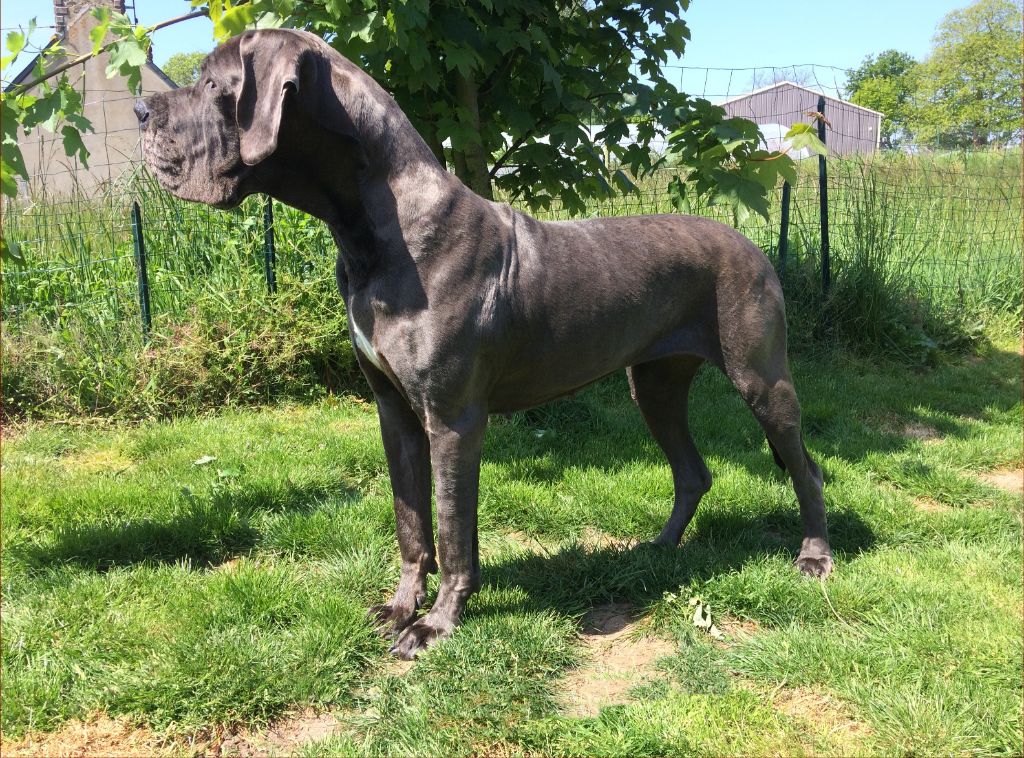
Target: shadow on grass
{"x":849,"y":412}
{"x":576,"y":577}
{"x":202,"y":532}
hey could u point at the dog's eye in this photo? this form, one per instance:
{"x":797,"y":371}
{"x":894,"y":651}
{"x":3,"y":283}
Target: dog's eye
{"x":211,"y":85}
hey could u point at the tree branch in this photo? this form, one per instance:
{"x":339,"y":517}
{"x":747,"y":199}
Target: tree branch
{"x":519,"y":142}
{"x":23,"y":88}
{"x":507,"y":154}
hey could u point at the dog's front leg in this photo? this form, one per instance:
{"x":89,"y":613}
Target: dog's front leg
{"x":455,"y":446}
{"x":408,"y":454}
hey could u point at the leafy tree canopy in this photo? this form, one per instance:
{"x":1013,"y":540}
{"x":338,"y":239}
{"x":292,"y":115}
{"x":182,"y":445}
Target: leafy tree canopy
{"x":493,"y":78}
{"x":970,"y":85}
{"x":183,"y":68}
{"x":508,"y":84}
{"x":886,"y":83}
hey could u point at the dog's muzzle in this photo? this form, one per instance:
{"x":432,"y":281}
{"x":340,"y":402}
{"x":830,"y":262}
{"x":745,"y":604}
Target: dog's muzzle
{"x":141,"y":112}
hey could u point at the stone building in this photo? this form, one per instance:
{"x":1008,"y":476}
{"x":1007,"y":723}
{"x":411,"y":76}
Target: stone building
{"x":114,"y":143}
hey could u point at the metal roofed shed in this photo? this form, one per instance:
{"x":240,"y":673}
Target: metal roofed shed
{"x":852,"y":128}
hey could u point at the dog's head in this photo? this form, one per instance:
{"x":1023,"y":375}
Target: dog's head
{"x":206,"y":142}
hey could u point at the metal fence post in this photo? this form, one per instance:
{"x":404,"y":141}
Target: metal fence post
{"x":269,"y":258}
{"x":826,"y":262}
{"x":784,"y":230}
{"x":140,"y":270}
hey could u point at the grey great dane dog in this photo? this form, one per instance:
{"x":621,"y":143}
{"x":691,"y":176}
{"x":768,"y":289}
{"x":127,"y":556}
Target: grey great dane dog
{"x":460,"y":307}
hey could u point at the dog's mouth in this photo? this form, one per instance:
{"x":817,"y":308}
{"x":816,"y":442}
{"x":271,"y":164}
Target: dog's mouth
{"x":221,"y":188}
{"x":232,"y":200}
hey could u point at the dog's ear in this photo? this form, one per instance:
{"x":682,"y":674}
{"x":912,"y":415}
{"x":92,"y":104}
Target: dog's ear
{"x":271,"y":65}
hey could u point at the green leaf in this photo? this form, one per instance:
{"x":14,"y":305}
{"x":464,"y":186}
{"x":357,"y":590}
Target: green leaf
{"x":98,"y":34}
{"x":14,"y":159}
{"x":127,"y":52}
{"x":127,"y":56}
{"x":73,"y":144}
{"x":787,"y":169}
{"x":10,"y":250}
{"x":553,"y":77}
{"x":233,"y":20}
{"x":9,"y":118}
{"x":677,"y":193}
{"x":804,"y":135}
{"x":44,"y":111}
{"x":460,"y":57}
{"x":15,"y":42}
{"x":7,"y":171}
{"x":365,"y":32}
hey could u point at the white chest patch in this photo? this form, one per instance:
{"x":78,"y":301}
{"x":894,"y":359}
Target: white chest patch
{"x":363,"y":345}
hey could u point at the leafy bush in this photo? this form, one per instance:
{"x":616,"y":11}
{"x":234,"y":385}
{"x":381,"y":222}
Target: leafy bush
{"x":221,"y":353}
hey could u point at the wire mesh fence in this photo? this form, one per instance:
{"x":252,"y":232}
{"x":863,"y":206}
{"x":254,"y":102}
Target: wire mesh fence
{"x":948,"y":222}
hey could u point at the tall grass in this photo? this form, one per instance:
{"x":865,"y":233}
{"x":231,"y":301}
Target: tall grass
{"x":924,"y":248}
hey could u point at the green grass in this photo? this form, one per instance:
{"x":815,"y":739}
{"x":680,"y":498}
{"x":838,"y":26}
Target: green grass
{"x":191,"y":596}
{"x":925,"y":254}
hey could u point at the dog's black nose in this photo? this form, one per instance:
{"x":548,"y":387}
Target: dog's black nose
{"x":141,"y":112}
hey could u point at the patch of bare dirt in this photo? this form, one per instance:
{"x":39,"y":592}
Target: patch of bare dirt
{"x":618,"y":657}
{"x":918,"y":431}
{"x":229,"y":566}
{"x":1008,"y":480}
{"x":103,"y":460}
{"x":397,"y":667}
{"x":891,"y":423}
{"x":98,"y":735}
{"x":284,"y":737}
{"x":10,"y":430}
{"x":828,"y":716}
{"x":927,"y":505}
{"x":590,"y":539}
{"x":595,"y":539}
{"x":737,"y":630}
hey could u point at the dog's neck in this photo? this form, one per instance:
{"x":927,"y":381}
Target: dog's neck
{"x":379,"y":189}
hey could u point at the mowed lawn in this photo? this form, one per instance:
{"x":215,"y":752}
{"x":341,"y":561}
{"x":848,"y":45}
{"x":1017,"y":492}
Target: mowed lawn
{"x":201,"y":585}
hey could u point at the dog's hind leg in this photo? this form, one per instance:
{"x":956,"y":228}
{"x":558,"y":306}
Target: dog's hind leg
{"x":661,"y":390}
{"x":755,"y":361}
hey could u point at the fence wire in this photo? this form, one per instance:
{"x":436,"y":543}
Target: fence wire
{"x":949,"y":222}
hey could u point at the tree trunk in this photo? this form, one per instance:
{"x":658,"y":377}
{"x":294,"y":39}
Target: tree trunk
{"x":470,"y":157}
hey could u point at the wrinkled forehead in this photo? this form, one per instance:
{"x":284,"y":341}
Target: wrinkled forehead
{"x":223,"y":60}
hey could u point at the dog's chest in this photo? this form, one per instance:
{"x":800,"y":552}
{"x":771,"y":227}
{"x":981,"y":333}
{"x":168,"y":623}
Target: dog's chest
{"x":363,"y":344}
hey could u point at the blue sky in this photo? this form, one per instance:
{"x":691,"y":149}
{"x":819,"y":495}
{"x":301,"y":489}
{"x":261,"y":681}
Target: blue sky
{"x":739,"y":34}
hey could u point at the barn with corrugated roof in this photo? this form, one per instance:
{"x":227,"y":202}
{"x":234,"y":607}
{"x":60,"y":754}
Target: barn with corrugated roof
{"x":851,"y":128}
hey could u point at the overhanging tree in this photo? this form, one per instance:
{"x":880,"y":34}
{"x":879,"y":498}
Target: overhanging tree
{"x":511,"y":86}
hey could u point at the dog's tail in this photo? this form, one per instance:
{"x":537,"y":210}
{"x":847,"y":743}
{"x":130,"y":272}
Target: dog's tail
{"x":775,"y":454}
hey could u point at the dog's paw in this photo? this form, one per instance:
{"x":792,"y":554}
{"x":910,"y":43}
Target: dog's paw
{"x":389,"y":620}
{"x":418,"y":637}
{"x":817,"y":566}
{"x":661,"y":542}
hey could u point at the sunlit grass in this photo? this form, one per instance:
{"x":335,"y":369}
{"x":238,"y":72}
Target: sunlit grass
{"x":207,"y":572}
